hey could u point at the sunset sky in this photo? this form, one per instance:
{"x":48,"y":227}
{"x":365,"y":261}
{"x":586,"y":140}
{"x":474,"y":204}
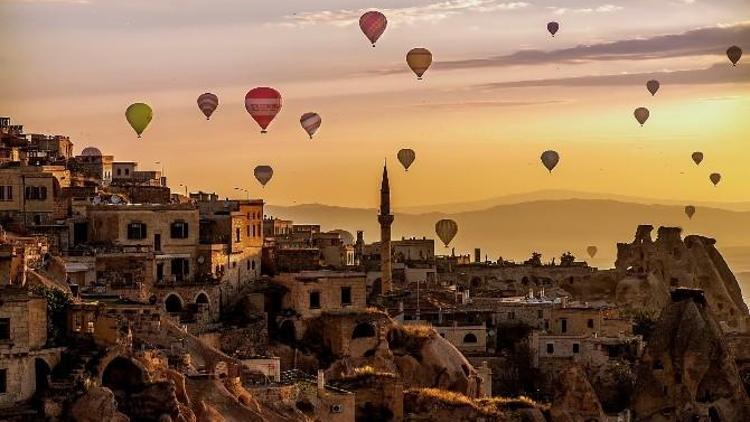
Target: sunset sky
{"x":499,"y":93}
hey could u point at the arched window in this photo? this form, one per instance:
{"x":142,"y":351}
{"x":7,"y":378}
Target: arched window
{"x":470,"y":338}
{"x":201,"y":298}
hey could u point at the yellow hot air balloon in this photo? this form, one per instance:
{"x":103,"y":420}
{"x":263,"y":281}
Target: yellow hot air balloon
{"x":419,"y":60}
{"x":139,"y":115}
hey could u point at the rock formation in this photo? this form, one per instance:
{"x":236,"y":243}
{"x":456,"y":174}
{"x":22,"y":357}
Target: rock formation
{"x":687,"y":371}
{"x":653,"y":267}
{"x":575,"y":400}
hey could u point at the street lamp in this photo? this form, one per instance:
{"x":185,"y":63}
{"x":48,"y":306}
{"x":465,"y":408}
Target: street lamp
{"x":186,"y":190}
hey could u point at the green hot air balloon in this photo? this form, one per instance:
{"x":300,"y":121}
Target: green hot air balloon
{"x":139,"y":115}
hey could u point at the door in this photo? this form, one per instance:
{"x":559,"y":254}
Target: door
{"x":80,"y":233}
{"x":157,"y":242}
{"x":160,"y":271}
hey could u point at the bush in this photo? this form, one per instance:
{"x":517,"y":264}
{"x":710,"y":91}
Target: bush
{"x":57,"y":313}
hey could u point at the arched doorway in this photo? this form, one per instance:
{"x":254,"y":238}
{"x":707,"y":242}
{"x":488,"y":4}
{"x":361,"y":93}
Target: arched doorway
{"x":173,"y":303}
{"x":363,"y":329}
{"x":122,"y":375}
{"x":470,"y":338}
{"x":201,"y":298}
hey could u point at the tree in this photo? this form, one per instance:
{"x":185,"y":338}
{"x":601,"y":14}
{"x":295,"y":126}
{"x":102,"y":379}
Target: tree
{"x":535,"y":260}
{"x":57,"y":309}
{"x":567,"y":259}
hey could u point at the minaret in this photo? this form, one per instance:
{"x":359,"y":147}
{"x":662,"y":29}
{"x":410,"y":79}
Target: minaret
{"x":385,"y":219}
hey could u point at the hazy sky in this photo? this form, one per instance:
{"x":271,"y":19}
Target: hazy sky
{"x":500,"y":92}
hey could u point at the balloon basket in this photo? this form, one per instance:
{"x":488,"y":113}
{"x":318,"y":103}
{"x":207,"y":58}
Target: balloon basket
{"x":263,"y":131}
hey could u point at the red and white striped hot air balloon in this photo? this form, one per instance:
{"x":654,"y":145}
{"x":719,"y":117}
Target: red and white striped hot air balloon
{"x":263,"y":104}
{"x":207,"y":103}
{"x":310,"y":122}
{"x":373,"y":24}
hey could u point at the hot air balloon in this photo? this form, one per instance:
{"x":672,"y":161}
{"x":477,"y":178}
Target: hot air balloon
{"x":697,"y":157}
{"x":419,"y":60}
{"x":641,"y":114}
{"x":263,"y":174}
{"x":263,"y":103}
{"x":715,"y":178}
{"x":550,"y":159}
{"x":406,"y":157}
{"x":592,"y":250}
{"x":139,"y":115}
{"x":207,"y":103}
{"x":652,"y":86}
{"x":689,"y":211}
{"x":734,"y":53}
{"x":446,"y":230}
{"x":373,"y":25}
{"x":553,"y":27}
{"x":310,"y":122}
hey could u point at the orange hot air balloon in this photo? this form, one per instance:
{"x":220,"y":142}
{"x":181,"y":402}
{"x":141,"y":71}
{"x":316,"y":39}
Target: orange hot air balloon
{"x":734,"y":53}
{"x":419,"y":60}
{"x":207,"y":103}
{"x":641,"y":114}
{"x":652,"y":86}
{"x":715,"y":178}
{"x":550,"y":159}
{"x":373,"y":25}
{"x":263,"y":104}
{"x":310,"y":122}
{"x":697,"y":157}
{"x":553,"y":27}
{"x":689,"y":211}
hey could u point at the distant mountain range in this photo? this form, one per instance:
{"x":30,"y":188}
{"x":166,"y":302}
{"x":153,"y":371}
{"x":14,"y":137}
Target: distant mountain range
{"x":550,"y":226}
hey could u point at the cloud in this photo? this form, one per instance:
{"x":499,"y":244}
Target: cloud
{"x":605,"y":8}
{"x":716,"y":74}
{"x":483,"y":104}
{"x":430,"y":12}
{"x":697,"y":42}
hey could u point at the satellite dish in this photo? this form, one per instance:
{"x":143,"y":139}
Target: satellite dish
{"x":97,"y":200}
{"x":201,"y":259}
{"x":115,"y":199}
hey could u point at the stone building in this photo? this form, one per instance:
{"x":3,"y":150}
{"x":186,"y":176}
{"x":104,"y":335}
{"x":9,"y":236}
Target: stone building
{"x":273,"y":227}
{"x":25,"y":360}
{"x":29,"y":196}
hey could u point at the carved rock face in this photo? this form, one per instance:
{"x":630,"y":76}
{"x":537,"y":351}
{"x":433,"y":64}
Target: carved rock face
{"x":97,"y":405}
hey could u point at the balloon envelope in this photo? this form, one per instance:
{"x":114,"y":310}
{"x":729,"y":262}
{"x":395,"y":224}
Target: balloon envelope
{"x":715,"y":178}
{"x":592,"y":250}
{"x":310,"y":122}
{"x":652,"y":86}
{"x":373,"y":25}
{"x":406,"y":157}
{"x":446,"y":230}
{"x":689,"y":211}
{"x":207,"y":103}
{"x":263,"y":104}
{"x":419,"y":60}
{"x":139,"y":115}
{"x":734,"y":53}
{"x":553,"y":27}
{"x":263,"y":174}
{"x":641,"y":114}
{"x":550,"y":159}
{"x":697,"y":157}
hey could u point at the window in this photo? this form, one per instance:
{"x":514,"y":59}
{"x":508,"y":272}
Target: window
{"x":119,"y":172}
{"x":237,"y":234}
{"x":540,"y":314}
{"x":346,"y":296}
{"x":4,"y":328}
{"x":180,"y":268}
{"x":590,"y":323}
{"x":511,"y":315}
{"x":136,"y":231}
{"x":9,"y":193}
{"x":248,"y":265}
{"x":550,"y":348}
{"x":564,"y":325}
{"x":248,"y":230}
{"x":3,"y":381}
{"x":314,"y":300}
{"x":127,"y":172}
{"x":576,"y":348}
{"x":253,"y":231}
{"x":252,"y":265}
{"x":43,"y":193}
{"x":470,"y":338}
{"x":179,"y":230}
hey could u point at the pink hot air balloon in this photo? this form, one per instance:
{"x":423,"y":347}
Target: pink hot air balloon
{"x":263,"y":104}
{"x":373,"y":25}
{"x":310,"y":122}
{"x":207,"y":103}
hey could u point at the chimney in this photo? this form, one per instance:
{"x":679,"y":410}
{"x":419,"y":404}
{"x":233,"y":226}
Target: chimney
{"x":321,"y":380}
{"x":477,"y":255}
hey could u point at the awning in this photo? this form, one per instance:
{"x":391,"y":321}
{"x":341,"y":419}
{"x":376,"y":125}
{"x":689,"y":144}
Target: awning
{"x":173,"y":256}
